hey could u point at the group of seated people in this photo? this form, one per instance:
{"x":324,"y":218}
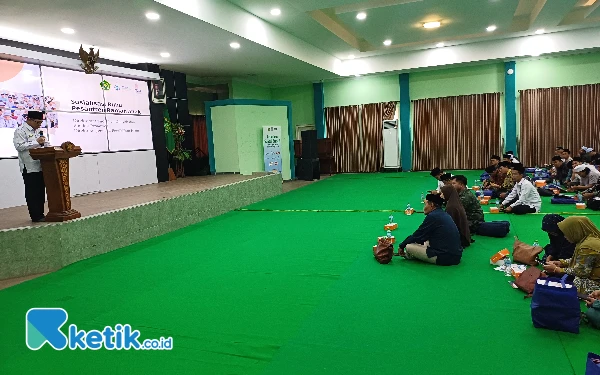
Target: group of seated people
{"x":578,"y":174}
{"x":453,"y":213}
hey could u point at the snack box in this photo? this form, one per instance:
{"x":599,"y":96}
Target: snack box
{"x":393,"y":239}
{"x":499,"y":256}
{"x":390,"y":226}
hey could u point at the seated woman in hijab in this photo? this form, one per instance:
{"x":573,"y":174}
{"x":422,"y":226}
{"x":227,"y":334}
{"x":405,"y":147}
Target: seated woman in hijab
{"x":584,"y":265}
{"x":559,"y":247}
{"x":456,"y":210}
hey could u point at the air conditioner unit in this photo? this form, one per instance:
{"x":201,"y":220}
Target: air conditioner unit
{"x":391,"y":144}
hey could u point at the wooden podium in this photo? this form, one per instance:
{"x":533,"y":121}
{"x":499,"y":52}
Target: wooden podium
{"x":55,"y":165}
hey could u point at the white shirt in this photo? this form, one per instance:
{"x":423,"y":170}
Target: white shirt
{"x":440,"y":186}
{"x":575,"y":177}
{"x":527,"y":195}
{"x":515,"y":160}
{"x":592,"y":177}
{"x":24,"y":140}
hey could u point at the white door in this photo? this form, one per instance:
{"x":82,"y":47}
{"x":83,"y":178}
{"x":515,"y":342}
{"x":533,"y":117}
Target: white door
{"x":391,"y":148}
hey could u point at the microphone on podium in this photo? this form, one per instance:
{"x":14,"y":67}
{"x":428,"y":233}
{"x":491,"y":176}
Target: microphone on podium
{"x":41,"y":135}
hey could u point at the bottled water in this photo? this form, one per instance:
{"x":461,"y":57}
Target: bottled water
{"x":507,"y":266}
{"x":580,"y":197}
{"x":536,"y":243}
{"x":389,"y":234}
{"x":497,"y":202}
{"x":408,"y":208}
{"x":391,"y":219}
{"x":422,"y":198}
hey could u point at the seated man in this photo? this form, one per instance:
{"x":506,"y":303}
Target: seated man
{"x":446,"y":179}
{"x":437,"y":174}
{"x":585,"y":153}
{"x":469,"y":202}
{"x":524,"y":197}
{"x":558,"y":151}
{"x":504,"y":182}
{"x":566,"y":156}
{"x":492,"y":170}
{"x":574,"y":180}
{"x":588,"y":177}
{"x":511,"y":157}
{"x":437,"y":240}
{"x":562,"y":173}
{"x":595,"y":157}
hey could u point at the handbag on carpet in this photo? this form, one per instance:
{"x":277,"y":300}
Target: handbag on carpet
{"x":526,"y":282}
{"x":594,"y":204}
{"x":384,"y":251}
{"x":593,"y":364}
{"x":497,"y":229}
{"x":555,"y":305}
{"x":526,"y":254}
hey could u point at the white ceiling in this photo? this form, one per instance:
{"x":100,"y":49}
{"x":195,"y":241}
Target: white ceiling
{"x":310,"y":40}
{"x":122,"y":32}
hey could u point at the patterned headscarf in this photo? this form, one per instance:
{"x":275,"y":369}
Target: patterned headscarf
{"x":577,"y":228}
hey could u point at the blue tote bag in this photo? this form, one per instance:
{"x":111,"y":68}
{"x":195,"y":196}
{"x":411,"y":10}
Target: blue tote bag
{"x":555,"y":306}
{"x":593,"y":364}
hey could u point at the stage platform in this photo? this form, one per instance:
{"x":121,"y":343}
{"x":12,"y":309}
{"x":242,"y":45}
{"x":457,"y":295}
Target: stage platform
{"x":115,"y":219}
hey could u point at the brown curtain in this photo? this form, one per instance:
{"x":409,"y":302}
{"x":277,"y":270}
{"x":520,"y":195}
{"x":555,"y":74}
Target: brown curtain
{"x":389,"y":110}
{"x":343,"y":129}
{"x":371,"y":157}
{"x":200,"y":135}
{"x":559,"y":116}
{"x":458,"y":132}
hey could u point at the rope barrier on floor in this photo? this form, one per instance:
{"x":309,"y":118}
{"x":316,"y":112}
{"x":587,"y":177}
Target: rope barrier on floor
{"x":402,"y":211}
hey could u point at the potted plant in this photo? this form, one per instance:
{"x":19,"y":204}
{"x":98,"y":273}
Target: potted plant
{"x":178,"y":153}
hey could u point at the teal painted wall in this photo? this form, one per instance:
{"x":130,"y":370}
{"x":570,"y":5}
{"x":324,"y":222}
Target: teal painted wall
{"x":457,"y":81}
{"x":237,"y":137}
{"x":302,"y":98}
{"x":560,"y":71}
{"x":362,"y":90}
{"x":244,"y":90}
{"x":225,"y":139}
{"x":250,"y":120}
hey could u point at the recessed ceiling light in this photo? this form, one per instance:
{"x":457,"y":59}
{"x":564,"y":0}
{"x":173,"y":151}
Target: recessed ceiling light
{"x":67,"y":30}
{"x":540,"y":31}
{"x":361,"y":16}
{"x":357,"y":75}
{"x":432,"y":25}
{"x":387,"y":42}
{"x":275,"y":11}
{"x":234,"y":45}
{"x":440,"y":44}
{"x":350,"y":57}
{"x":165,"y":54}
{"x":491,"y":28}
{"x":152,"y":16}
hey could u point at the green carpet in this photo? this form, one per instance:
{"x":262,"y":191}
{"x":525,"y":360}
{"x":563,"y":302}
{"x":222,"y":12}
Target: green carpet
{"x":255,"y":292}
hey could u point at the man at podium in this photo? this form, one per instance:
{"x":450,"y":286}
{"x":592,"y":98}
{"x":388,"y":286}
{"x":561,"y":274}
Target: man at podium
{"x":26,"y":138}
